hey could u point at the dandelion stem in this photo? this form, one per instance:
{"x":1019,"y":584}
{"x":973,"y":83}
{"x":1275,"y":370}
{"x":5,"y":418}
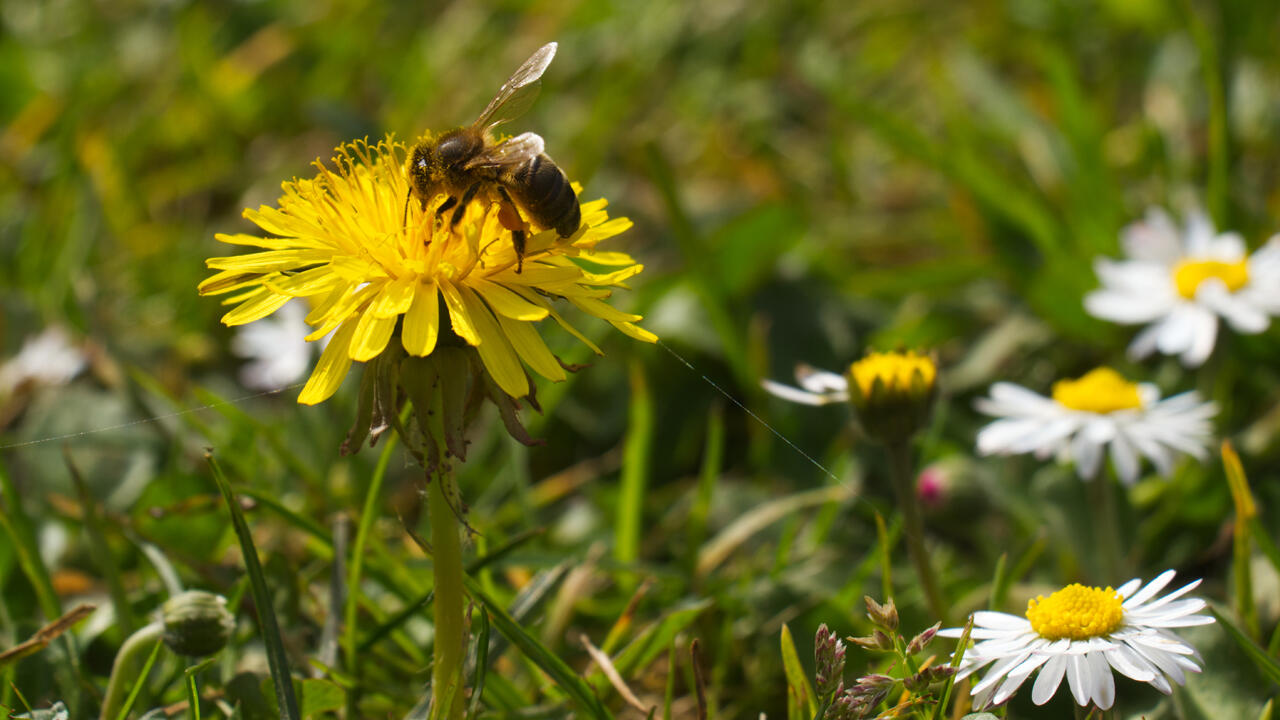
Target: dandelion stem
{"x":450,"y":639}
{"x":904,"y":487}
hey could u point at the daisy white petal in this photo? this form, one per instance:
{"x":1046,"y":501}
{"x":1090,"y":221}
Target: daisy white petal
{"x":804,"y":397}
{"x":820,"y":381}
{"x":1049,"y":680}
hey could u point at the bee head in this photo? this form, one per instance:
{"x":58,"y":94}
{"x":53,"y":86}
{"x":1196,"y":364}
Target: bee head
{"x":419,"y":168}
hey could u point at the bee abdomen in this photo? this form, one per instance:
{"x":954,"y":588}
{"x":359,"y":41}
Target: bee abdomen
{"x":545,"y":192}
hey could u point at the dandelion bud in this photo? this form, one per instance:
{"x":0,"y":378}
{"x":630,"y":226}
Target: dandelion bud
{"x":196,"y":623}
{"x":884,"y":616}
{"x":921,"y":641}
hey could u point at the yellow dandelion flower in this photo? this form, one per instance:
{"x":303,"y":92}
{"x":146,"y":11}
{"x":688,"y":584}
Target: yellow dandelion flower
{"x":378,"y":272}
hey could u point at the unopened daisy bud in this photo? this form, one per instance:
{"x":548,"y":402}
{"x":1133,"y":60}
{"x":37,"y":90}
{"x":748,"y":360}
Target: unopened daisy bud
{"x":892,"y":392}
{"x":921,"y":641}
{"x":879,"y":640}
{"x":196,"y":623}
{"x":885,"y":616}
{"x":828,"y":653}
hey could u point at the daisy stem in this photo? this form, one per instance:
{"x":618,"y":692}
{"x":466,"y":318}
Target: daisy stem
{"x":450,"y":639}
{"x":1102,"y":500}
{"x":903,"y":480}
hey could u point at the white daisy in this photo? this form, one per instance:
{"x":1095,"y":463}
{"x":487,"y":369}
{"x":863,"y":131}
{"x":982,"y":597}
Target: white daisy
{"x":1179,"y":282}
{"x":276,"y":347}
{"x":1086,"y":416}
{"x":1083,"y":633}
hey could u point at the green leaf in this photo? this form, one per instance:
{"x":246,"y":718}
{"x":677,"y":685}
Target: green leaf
{"x":797,"y":679}
{"x":565,"y":677}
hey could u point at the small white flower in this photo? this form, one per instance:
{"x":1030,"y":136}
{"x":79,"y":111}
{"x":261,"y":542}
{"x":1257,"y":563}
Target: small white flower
{"x":276,"y":347}
{"x":1084,"y":633}
{"x":1178,"y":283}
{"x":49,"y":358}
{"x":1086,"y":416}
{"x":817,"y":387}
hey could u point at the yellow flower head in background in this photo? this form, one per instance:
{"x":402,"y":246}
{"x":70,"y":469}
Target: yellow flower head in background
{"x":893,"y":392}
{"x":374,"y":271}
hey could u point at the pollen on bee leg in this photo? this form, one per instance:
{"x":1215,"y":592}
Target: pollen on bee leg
{"x":509,"y":217}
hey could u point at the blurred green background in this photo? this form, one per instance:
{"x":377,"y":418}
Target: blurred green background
{"x":807,"y":180}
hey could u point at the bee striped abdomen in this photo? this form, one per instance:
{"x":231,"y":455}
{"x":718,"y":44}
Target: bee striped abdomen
{"x":544,"y":192}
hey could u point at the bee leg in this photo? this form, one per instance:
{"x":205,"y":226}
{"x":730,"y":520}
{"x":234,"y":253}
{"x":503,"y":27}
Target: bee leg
{"x":509,"y":216}
{"x":444,"y":206}
{"x":467,"y":196}
{"x":517,"y":241}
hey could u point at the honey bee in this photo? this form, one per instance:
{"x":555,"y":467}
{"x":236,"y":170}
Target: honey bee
{"x":467,"y":162}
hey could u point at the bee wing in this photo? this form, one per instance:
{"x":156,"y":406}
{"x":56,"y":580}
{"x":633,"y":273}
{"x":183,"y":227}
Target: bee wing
{"x":519,"y":91}
{"x":513,"y":153}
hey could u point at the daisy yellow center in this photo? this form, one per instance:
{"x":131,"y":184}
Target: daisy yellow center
{"x":1188,"y":275}
{"x":1076,"y":612}
{"x":1100,"y":391}
{"x":895,"y":371}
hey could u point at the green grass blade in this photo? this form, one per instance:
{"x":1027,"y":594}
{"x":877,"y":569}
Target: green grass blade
{"x":635,"y":470}
{"x":367,"y":516}
{"x":482,"y":663}
{"x":564,"y":676}
{"x":100,"y":551}
{"x":885,"y":545}
{"x":709,"y":474}
{"x":18,"y":527}
{"x":657,"y":637}
{"x":193,"y":689}
{"x":1246,"y":510}
{"x":22,"y":538}
{"x":142,"y":680}
{"x":669,"y":694}
{"x":797,"y":679}
{"x":1219,"y":145}
{"x":1266,"y":664}
{"x":277,"y":659}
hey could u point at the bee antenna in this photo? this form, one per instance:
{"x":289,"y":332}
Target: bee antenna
{"x":405,"y":219}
